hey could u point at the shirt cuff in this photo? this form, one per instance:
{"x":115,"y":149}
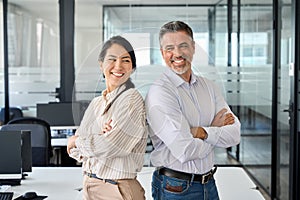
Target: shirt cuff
{"x":212,"y":135}
{"x":75,"y":153}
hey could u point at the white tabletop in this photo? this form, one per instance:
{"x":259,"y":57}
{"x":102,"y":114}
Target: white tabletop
{"x":234,"y":184}
{"x":62,"y":183}
{"x":59,"y":142}
{"x":63,"y":127}
{"x":54,"y":182}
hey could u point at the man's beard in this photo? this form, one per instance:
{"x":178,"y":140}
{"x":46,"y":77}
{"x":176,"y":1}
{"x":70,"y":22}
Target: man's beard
{"x":181,"y":71}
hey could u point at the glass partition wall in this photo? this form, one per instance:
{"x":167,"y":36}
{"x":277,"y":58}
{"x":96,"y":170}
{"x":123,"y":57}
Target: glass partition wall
{"x":265,"y":143}
{"x":87,"y":43}
{"x":256,"y":48}
{"x":234,"y":47}
{"x":33,"y":54}
{"x":284,"y":93}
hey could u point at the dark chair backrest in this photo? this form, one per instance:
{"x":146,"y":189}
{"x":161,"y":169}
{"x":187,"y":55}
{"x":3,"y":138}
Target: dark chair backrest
{"x":35,"y":120}
{"x":14,"y":113}
{"x":39,"y":141}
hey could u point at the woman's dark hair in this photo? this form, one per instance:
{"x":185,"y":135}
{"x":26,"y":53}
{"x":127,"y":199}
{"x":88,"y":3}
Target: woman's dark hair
{"x":175,"y":26}
{"x":122,"y":42}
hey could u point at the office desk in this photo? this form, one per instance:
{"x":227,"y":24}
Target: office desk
{"x":58,"y":130}
{"x":59,"y":142}
{"x":59,"y":145}
{"x":58,"y":183}
{"x":62,"y":183}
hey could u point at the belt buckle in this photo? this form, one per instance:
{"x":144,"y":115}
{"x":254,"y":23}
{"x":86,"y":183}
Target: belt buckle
{"x":206,"y":177}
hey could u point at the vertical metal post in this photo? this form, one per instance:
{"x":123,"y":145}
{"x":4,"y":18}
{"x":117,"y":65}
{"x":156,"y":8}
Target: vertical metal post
{"x":275,"y":148}
{"x":238,"y":64}
{"x":294,"y":182}
{"x":6,"y":73}
{"x":212,"y":36}
{"x":238,"y":31}
{"x":229,"y":25}
{"x":67,"y":70}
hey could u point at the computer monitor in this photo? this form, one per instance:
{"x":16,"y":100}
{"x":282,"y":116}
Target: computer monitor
{"x":61,"y":113}
{"x":26,"y":152}
{"x":10,"y":157}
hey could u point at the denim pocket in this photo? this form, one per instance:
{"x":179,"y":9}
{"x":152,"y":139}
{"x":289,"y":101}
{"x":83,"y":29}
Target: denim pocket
{"x":174,"y":185}
{"x":156,"y":185}
{"x":155,"y":192}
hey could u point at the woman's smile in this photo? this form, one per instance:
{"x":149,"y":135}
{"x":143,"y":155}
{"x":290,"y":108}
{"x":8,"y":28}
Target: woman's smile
{"x":117,"y":74}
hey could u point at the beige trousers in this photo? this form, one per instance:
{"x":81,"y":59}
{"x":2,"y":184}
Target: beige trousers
{"x":126,"y":189}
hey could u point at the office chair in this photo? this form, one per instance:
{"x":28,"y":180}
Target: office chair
{"x":14,"y":113}
{"x":40,"y":138}
{"x":149,"y":147}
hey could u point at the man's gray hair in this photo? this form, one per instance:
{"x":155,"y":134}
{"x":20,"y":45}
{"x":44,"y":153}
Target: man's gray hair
{"x":175,"y":26}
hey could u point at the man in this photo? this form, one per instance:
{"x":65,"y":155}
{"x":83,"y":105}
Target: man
{"x":188,"y":118}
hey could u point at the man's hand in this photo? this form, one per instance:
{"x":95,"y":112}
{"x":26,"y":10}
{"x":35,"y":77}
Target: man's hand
{"x":222,"y":118}
{"x":199,"y":132}
{"x":71,"y":143}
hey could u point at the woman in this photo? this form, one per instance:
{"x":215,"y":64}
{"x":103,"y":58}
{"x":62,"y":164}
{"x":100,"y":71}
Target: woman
{"x":111,"y":139}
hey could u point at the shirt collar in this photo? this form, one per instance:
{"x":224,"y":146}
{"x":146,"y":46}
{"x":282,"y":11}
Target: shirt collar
{"x":108,"y":96}
{"x":177,"y":80}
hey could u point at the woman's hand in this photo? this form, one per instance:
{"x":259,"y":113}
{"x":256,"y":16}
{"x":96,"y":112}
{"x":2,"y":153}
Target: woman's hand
{"x":71,"y":143}
{"x":107,"y":127}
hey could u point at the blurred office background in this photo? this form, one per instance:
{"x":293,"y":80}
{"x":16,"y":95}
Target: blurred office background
{"x":49,"y":51}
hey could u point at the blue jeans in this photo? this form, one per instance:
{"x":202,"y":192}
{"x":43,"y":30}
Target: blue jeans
{"x":168,"y":188}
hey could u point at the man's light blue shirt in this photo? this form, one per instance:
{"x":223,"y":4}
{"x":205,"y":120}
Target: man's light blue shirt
{"x":173,"y":108}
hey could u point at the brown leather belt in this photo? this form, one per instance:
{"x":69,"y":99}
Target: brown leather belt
{"x":203,"y":178}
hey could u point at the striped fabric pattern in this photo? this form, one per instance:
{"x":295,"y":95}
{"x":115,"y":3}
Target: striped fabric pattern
{"x":119,"y":153}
